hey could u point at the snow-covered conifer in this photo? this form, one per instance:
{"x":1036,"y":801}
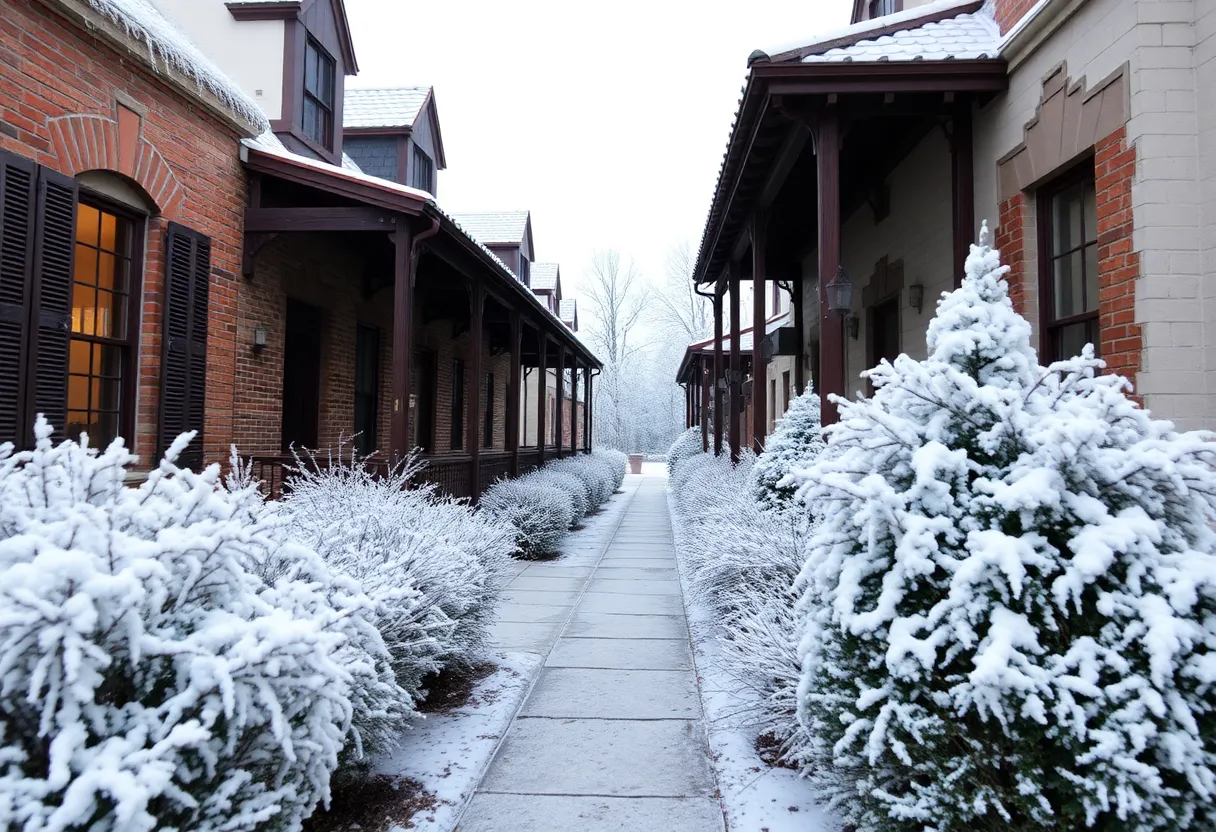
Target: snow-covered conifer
{"x":796,"y":442}
{"x":1011,"y":602}
{"x":148,"y":678}
{"x":687,"y":444}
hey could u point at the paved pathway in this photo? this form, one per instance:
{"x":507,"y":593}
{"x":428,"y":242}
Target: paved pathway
{"x":610,"y":737}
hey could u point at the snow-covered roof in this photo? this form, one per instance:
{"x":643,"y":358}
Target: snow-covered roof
{"x":495,"y":227}
{"x":745,"y":336}
{"x":169,"y":47}
{"x":383,"y":107}
{"x":569,"y":311}
{"x":934,"y":31}
{"x":347,"y":162}
{"x":544,"y":277}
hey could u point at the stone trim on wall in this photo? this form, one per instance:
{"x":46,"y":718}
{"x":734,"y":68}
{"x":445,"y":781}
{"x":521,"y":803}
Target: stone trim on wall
{"x":886,"y":282}
{"x":1068,"y":122}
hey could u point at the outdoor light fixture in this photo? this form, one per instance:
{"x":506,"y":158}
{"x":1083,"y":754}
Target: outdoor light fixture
{"x":853,"y":323}
{"x":259,"y":338}
{"x":916,"y":296}
{"x":840,"y":293}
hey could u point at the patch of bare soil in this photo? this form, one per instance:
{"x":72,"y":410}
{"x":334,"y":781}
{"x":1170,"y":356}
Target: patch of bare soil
{"x":769,"y":748}
{"x":375,"y":803}
{"x":453,"y":688}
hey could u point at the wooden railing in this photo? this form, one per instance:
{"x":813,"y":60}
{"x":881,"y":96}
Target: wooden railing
{"x":492,"y":466}
{"x":449,"y":473}
{"x":528,"y":459}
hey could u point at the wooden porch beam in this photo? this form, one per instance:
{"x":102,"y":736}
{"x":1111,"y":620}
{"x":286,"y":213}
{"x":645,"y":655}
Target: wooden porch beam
{"x":542,"y":389}
{"x":736,"y":366}
{"x":574,"y":405}
{"x":477,"y":305}
{"x":962,"y":180}
{"x":831,"y":327}
{"x":759,"y":327}
{"x":718,"y":373}
{"x":559,"y":412}
{"x":360,"y":218}
{"x":403,"y":335}
{"x":513,"y":397}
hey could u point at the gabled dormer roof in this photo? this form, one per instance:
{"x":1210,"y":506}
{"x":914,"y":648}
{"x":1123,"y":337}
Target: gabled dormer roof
{"x":569,"y":314}
{"x":392,"y":110}
{"x":498,"y":228}
{"x":286,"y":9}
{"x":546,"y":277}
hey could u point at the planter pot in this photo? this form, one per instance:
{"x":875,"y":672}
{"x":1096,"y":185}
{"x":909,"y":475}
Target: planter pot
{"x":635,"y":463}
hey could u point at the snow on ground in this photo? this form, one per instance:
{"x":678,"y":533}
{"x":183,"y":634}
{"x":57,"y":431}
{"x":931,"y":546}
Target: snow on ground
{"x":448,"y":752}
{"x":755,"y":796}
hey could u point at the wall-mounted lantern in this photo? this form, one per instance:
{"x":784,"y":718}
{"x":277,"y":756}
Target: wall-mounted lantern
{"x":840,"y":293}
{"x":259,"y":338}
{"x":916,"y":296}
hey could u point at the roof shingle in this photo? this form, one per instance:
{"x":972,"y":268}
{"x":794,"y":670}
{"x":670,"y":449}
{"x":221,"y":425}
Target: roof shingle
{"x":544,"y":277}
{"x":502,"y":228}
{"x":384,"y":107}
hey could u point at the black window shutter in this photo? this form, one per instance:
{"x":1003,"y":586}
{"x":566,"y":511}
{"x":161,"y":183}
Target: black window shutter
{"x":18,"y":200}
{"x":51,"y":319}
{"x":184,"y":344}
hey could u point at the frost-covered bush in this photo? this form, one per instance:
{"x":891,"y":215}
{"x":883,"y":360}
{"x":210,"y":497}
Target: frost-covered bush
{"x":568,"y":484}
{"x":795,"y":443}
{"x":432,"y":565}
{"x":615,"y":461}
{"x":1011,"y":603}
{"x":597,"y":478}
{"x":687,"y":444}
{"x":741,"y":561}
{"x":148,"y":678}
{"x":539,"y":513}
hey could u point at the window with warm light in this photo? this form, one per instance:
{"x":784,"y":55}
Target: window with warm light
{"x":103,"y":327}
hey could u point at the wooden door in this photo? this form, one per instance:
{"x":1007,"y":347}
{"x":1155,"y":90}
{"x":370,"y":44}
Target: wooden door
{"x":884,"y":331}
{"x":301,"y":375}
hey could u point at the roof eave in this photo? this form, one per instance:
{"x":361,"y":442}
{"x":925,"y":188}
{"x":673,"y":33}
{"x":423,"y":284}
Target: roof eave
{"x":333,"y":182}
{"x":901,"y":23}
{"x":765,"y":79}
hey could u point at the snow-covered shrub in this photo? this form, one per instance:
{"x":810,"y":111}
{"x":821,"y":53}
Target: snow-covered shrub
{"x":796,"y":442}
{"x":687,"y":444}
{"x":433,"y":566}
{"x":566,"y":482}
{"x":1011,"y":603}
{"x":148,"y":679}
{"x":598,"y":481}
{"x":539,"y":513}
{"x":616,"y":461}
{"x":741,"y":560}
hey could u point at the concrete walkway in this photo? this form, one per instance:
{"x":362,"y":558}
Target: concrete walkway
{"x":610,"y":737}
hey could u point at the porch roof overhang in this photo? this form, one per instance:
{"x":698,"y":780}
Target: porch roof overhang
{"x":780,"y":102}
{"x":382,"y":205}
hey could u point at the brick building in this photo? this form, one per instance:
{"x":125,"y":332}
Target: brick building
{"x":118,"y":143}
{"x":870,"y":154}
{"x":188,"y":246}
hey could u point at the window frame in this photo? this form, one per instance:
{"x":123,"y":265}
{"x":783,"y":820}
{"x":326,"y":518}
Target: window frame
{"x":129,"y":380}
{"x":874,"y":5}
{"x":1049,"y":325}
{"x":311,"y":44}
{"x":420,"y":158}
{"x":368,"y":439}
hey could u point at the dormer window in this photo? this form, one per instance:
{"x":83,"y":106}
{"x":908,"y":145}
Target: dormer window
{"x":881,"y":8}
{"x":319,"y":74}
{"x":525,"y":271}
{"x":424,"y":171}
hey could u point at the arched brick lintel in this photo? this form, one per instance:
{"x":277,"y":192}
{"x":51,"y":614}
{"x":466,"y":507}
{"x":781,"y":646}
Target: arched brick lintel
{"x":90,"y":142}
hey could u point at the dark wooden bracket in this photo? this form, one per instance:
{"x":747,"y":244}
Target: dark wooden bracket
{"x":255,"y":241}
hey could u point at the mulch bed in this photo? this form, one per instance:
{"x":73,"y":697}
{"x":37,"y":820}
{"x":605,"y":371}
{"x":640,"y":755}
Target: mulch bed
{"x":453,"y":689}
{"x":374,"y":804}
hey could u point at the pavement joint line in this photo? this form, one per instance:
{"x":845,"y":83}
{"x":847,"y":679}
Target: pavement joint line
{"x":485,"y":769}
{"x":597,"y":795}
{"x":613,"y":718}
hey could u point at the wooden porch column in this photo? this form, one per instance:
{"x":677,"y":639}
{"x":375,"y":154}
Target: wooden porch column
{"x":403,"y":339}
{"x":513,"y":398}
{"x":796,"y":299}
{"x":587,"y":410}
{"x":477,"y":305}
{"x":704,"y":376}
{"x":759,"y":330}
{"x":718,"y":374}
{"x":831,"y":326}
{"x":574,"y":405}
{"x":736,"y":367}
{"x":560,"y":414}
{"x":542,"y":390}
{"x":962,"y":180}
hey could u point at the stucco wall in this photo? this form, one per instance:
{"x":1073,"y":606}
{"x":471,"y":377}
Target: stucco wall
{"x":249,"y":52}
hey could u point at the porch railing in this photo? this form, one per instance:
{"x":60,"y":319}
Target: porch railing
{"x":492,"y":466}
{"x":449,"y":473}
{"x":528,"y":459}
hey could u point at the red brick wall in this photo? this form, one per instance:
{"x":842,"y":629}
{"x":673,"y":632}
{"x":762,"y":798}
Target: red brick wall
{"x":1118,"y":264}
{"x":59,"y":106}
{"x":1009,"y":12}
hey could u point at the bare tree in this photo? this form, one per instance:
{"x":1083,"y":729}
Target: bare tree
{"x":678,"y":307}
{"x":617,"y":298}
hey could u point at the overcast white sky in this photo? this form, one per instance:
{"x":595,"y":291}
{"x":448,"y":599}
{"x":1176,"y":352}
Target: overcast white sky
{"x":607,"y":123}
